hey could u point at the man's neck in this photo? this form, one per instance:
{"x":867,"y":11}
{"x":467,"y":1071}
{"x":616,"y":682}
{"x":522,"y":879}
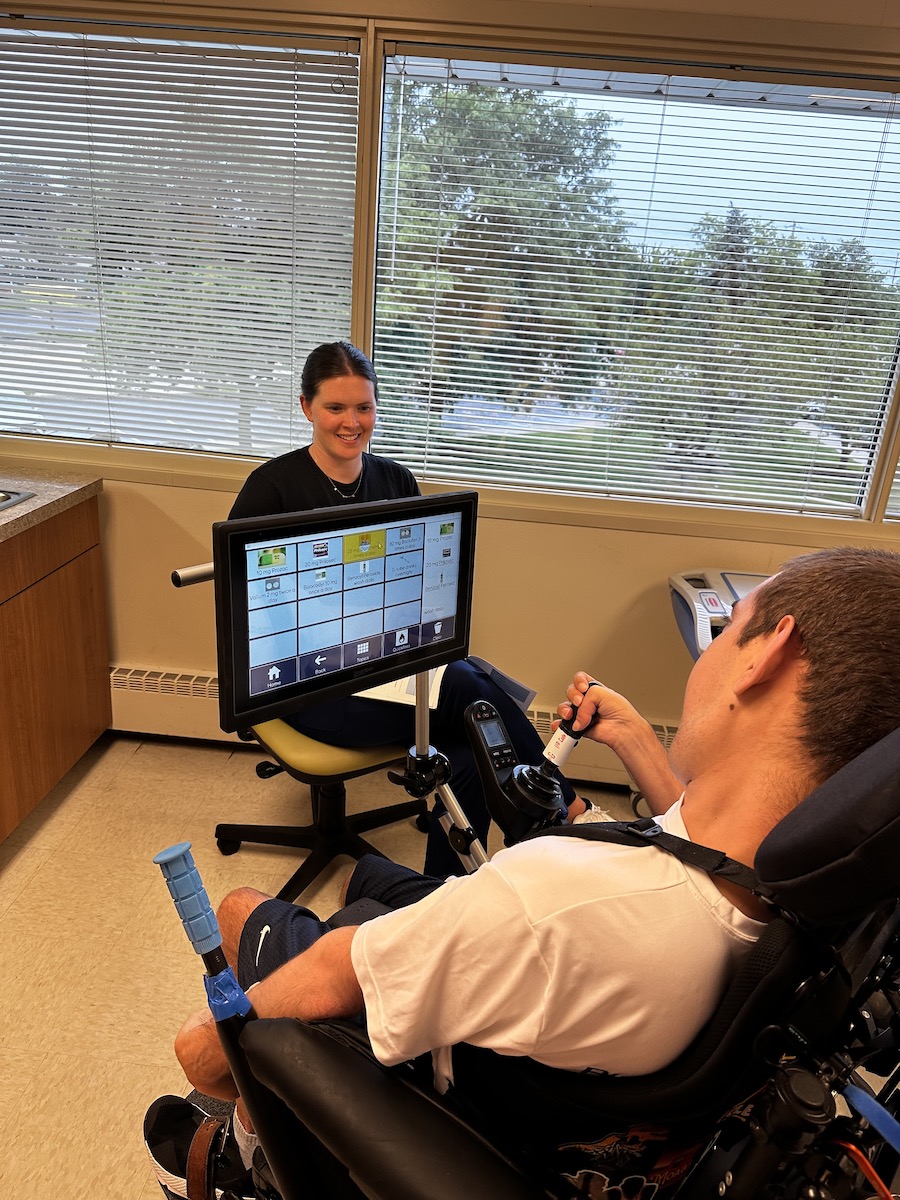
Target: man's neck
{"x":733,"y":811}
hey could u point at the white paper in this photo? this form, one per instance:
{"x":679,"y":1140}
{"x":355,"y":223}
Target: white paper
{"x":403,"y":691}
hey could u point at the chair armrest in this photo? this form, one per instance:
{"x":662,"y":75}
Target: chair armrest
{"x":398,"y":1142}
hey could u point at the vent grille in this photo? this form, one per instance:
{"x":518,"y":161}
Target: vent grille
{"x":541,"y":719}
{"x":665,"y":733}
{"x":163,"y":683}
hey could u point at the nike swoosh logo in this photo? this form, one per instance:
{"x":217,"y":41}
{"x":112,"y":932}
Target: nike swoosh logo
{"x":262,"y":937}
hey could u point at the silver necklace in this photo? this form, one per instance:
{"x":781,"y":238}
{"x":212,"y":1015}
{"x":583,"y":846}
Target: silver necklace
{"x":348,"y":495}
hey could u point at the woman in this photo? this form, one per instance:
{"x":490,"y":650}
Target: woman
{"x":340,"y":393}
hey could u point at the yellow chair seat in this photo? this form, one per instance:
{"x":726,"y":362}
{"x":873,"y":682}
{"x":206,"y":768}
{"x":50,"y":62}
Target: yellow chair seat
{"x":333,"y":830}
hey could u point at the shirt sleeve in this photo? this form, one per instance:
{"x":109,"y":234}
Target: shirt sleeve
{"x":462,"y":965}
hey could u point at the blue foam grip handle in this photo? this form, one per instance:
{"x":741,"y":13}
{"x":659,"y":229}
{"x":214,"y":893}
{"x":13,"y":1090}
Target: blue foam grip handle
{"x":191,"y":901}
{"x":877,"y":1116}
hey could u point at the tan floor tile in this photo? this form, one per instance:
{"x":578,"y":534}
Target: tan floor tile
{"x":186,"y":764}
{"x":103,"y":761}
{"x":134,"y":826}
{"x":77,"y":1130}
{"x":18,"y":865}
{"x":134,"y":1003}
{"x":99,"y":893}
{"x":260,"y":804}
{"x":18,"y":1070}
{"x":50,"y":825}
{"x":50,"y":989}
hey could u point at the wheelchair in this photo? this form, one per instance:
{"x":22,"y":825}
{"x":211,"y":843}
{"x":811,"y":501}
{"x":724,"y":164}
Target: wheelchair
{"x":790,"y":1092}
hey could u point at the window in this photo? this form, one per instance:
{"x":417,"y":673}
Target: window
{"x":632,"y":284}
{"x":176,"y":229}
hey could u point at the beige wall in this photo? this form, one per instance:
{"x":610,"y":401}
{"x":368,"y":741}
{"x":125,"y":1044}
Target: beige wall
{"x":551,"y":595}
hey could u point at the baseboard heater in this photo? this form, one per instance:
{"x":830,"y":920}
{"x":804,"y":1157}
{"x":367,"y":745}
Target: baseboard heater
{"x":186,"y":704}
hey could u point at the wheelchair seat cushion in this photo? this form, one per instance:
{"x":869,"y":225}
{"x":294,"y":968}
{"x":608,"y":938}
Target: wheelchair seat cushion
{"x":834,"y":857}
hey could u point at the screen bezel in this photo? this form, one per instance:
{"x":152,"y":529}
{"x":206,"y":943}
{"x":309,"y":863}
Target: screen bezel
{"x":238,"y":709}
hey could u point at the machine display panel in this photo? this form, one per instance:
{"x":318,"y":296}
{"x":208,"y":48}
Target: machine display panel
{"x":312,"y":606}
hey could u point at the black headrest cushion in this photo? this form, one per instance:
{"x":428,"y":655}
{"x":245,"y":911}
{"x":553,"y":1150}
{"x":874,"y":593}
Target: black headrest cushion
{"x":836,"y":856}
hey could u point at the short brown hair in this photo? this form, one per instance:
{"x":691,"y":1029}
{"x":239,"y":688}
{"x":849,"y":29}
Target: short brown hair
{"x":846,"y":604}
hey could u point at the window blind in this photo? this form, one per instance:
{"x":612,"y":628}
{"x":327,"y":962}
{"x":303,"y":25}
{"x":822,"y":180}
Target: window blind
{"x":176,"y":228}
{"x":632,"y":284}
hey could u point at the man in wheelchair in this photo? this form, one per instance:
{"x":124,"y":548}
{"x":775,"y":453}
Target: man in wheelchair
{"x":584,"y":955}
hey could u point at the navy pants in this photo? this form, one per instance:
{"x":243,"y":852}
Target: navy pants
{"x":359,"y":722}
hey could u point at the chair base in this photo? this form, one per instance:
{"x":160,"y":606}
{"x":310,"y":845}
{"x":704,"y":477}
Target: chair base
{"x":333,"y":832}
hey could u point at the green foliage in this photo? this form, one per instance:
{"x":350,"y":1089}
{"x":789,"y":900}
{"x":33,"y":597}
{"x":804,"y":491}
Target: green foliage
{"x":498,"y":204}
{"x":507,"y":271}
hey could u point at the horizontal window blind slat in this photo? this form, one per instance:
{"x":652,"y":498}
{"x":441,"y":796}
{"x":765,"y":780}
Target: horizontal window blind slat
{"x":166,"y":213}
{"x":634,"y":293}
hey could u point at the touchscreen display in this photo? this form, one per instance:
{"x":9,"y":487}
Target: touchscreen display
{"x":313,"y":606}
{"x":318,"y":604}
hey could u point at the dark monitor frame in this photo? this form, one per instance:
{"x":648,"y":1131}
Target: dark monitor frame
{"x":238,"y":708}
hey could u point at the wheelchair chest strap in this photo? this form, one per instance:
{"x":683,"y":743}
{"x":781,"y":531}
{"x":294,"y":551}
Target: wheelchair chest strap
{"x":645,"y":832}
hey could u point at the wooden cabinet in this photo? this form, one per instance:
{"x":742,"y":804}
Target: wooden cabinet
{"x":54,"y":662}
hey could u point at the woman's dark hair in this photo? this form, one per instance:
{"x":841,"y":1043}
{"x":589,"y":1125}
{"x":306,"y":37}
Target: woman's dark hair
{"x":330,"y":361}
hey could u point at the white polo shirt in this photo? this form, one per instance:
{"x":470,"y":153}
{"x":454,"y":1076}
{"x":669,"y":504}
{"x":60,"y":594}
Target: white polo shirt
{"x":576,"y":953}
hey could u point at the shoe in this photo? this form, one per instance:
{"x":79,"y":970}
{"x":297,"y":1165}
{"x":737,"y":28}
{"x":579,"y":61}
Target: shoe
{"x":170,"y":1125}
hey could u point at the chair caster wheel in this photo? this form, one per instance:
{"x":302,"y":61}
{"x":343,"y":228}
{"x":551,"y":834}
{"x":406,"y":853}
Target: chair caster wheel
{"x":265,"y":770}
{"x":423,"y":822}
{"x":226,"y":846}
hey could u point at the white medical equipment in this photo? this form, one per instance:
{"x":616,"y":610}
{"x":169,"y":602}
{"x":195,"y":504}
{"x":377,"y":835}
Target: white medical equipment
{"x":702,"y":600}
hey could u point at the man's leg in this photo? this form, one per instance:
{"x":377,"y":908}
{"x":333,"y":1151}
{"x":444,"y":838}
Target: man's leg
{"x":390,"y":883}
{"x":259,"y":934}
{"x":232,"y":916}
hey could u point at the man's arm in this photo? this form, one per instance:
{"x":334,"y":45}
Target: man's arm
{"x":317,"y":984}
{"x":621,"y":727}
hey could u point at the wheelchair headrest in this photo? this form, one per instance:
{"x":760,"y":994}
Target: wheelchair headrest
{"x":836,"y":856}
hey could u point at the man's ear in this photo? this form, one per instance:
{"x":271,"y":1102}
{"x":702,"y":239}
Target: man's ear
{"x":770,"y":653}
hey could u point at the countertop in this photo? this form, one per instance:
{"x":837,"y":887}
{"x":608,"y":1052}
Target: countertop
{"x":55,"y":489}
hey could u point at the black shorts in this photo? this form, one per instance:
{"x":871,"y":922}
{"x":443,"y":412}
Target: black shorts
{"x":275,"y":932}
{"x":278,"y":930}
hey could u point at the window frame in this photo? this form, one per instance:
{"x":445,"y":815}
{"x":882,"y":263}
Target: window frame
{"x":884,"y":471}
{"x":677,"y":41}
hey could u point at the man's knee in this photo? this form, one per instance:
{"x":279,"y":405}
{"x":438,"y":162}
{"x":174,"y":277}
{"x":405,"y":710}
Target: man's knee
{"x":234,"y":910}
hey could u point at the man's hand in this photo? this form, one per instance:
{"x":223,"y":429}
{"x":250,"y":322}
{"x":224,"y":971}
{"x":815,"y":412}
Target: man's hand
{"x":600,"y":712}
{"x":607,"y":717}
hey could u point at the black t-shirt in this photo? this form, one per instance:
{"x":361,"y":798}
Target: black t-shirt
{"x":293,"y":483}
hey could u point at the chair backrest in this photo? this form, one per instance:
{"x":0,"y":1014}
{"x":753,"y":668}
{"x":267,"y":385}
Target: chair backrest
{"x":834,"y":857}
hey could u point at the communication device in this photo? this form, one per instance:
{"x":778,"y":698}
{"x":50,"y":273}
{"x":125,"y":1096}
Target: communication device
{"x":316,"y":605}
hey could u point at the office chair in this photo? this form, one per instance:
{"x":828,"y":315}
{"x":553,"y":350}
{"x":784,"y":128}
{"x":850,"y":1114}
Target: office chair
{"x":747,"y":1112}
{"x":325,"y":769}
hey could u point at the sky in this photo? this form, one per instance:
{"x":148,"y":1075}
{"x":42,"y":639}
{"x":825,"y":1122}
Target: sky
{"x":818,"y":173}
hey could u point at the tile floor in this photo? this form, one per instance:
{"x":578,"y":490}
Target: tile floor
{"x":94,"y":964}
